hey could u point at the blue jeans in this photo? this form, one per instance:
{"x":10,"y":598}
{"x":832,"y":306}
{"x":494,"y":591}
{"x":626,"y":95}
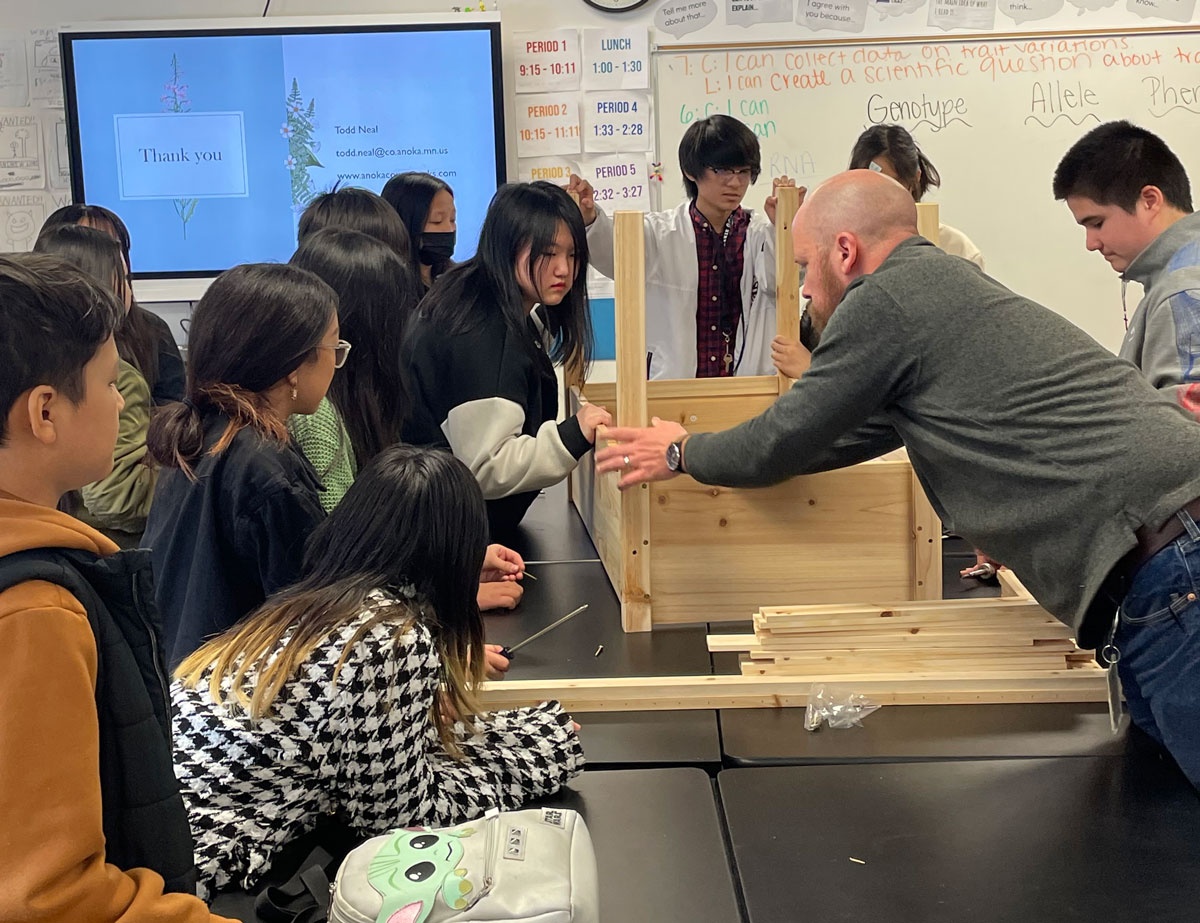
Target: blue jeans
{"x":1158,"y":636}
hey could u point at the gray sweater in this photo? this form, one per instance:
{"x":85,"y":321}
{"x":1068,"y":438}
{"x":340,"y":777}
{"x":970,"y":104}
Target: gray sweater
{"x":1040,"y":446}
{"x":1163,"y":339}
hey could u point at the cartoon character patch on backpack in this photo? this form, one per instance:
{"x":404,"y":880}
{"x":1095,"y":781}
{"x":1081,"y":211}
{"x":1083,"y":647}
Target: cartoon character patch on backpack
{"x":412,"y":867}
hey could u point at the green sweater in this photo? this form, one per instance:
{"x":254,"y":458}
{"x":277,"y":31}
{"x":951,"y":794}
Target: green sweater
{"x":1037,"y":444}
{"x":121,"y":501}
{"x":323,"y":439}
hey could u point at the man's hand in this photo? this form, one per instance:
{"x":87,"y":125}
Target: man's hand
{"x":582,"y":189}
{"x":500,"y":563}
{"x":790,"y":356}
{"x":640,"y":454}
{"x":773,"y":199}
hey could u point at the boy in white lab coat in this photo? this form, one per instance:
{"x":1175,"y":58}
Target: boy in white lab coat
{"x":710,"y":264}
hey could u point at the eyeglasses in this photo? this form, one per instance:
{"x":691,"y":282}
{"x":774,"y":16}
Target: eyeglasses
{"x":341,"y":352}
{"x":726,"y":172}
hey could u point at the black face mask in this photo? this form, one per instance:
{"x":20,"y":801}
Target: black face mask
{"x":437,"y":247}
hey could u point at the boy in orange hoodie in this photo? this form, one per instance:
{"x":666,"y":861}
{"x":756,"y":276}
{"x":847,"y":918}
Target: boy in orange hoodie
{"x":75,"y":785}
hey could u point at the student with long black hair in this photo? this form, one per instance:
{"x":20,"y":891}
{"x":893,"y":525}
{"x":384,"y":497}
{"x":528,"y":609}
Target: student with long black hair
{"x":144,"y":340}
{"x":361,"y":414}
{"x":237,"y":499}
{"x":354,"y":691}
{"x":425,"y":204}
{"x":359,"y":210}
{"x":119,"y":502}
{"x":481,"y":352}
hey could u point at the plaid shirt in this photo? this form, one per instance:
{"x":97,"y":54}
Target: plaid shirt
{"x":721,"y":256}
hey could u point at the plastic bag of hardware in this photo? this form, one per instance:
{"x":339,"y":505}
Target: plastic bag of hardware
{"x":840,"y":706}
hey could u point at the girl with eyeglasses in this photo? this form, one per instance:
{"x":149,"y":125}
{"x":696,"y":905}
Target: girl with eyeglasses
{"x":236,"y":499}
{"x":360,"y":416}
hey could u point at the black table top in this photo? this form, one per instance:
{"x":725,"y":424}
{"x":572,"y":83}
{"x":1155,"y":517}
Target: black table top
{"x":660,"y":850}
{"x":615,"y":738}
{"x":552,"y":529}
{"x":765,"y":737}
{"x":570,"y":651}
{"x":1002,"y":841}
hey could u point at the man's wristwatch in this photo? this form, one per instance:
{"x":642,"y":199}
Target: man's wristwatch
{"x":675,"y":456}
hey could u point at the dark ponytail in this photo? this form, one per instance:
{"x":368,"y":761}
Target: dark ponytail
{"x":914,"y":170}
{"x":256,"y":324}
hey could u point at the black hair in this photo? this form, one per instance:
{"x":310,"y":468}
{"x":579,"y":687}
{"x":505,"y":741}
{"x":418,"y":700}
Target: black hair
{"x":90,"y":250}
{"x":915,"y":172}
{"x":359,"y":210}
{"x":717,"y":141}
{"x":1114,"y":162}
{"x":377,"y":294}
{"x":411,"y":195}
{"x":256,"y":324}
{"x":137,"y":339}
{"x":53,"y":319}
{"x":520,"y":215}
{"x":413,"y":523}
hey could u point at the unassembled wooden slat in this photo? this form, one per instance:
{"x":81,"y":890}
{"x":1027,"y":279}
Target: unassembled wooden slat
{"x":781,"y":617}
{"x":662,"y":693}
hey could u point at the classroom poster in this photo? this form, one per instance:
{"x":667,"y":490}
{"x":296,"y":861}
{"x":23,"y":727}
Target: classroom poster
{"x":14,"y":77}
{"x":1174,"y":10}
{"x":21,"y":163}
{"x":546,"y":61}
{"x":837,"y":15}
{"x":617,"y":120}
{"x":616,"y":59}
{"x":548,"y":123}
{"x":976,"y":15}
{"x":750,"y":12}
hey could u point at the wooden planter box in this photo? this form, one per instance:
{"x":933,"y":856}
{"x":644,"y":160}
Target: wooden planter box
{"x":679,"y":551}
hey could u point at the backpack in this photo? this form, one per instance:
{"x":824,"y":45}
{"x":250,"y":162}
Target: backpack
{"x":144,"y":818}
{"x":511,"y":866}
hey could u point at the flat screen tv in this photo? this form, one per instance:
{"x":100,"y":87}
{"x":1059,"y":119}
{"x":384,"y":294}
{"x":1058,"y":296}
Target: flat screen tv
{"x":209,"y":138}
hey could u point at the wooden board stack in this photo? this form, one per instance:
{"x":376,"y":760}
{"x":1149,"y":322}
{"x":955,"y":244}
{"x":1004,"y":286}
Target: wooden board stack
{"x":1009,"y":638}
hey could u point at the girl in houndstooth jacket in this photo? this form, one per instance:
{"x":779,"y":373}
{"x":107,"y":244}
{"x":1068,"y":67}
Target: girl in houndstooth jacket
{"x":353,"y":692}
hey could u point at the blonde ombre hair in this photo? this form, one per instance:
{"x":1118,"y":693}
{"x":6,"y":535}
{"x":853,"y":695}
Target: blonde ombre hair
{"x":413,"y":525}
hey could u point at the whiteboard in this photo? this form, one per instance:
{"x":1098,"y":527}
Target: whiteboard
{"x":994,"y":116}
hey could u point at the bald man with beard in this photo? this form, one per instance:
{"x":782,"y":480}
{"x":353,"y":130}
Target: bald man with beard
{"x":1040,"y":446}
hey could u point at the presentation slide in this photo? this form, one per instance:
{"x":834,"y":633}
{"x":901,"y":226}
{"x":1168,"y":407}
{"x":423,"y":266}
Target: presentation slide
{"x":210,"y":146}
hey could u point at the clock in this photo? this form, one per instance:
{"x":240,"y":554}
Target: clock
{"x":616,"y":6}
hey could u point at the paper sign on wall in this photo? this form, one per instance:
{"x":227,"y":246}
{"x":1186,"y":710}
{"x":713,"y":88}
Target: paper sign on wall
{"x":548,"y":123}
{"x":58,"y":162}
{"x":617,"y":120}
{"x":45,"y":69}
{"x":616,"y":59}
{"x":749,"y":12}
{"x":555,"y":170}
{"x":21,"y":217}
{"x":962,"y":14}
{"x":21,"y":164}
{"x":546,"y":61}
{"x":620,"y":181}
{"x":14,"y":76}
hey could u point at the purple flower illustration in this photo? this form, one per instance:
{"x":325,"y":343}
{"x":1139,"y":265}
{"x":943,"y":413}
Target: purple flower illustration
{"x":175,"y":99}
